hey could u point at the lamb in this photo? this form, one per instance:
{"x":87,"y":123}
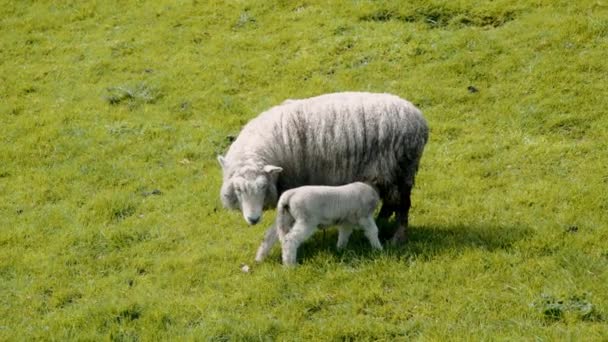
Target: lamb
{"x":302,"y":210}
{"x":332,"y":139}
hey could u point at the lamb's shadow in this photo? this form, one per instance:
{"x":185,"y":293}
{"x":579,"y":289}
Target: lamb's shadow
{"x":423,"y":242}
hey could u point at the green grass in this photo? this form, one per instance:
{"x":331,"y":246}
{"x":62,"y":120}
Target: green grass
{"x":112,"y":113}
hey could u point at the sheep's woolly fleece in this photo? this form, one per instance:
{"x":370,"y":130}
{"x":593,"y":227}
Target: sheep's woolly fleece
{"x":331,"y":139}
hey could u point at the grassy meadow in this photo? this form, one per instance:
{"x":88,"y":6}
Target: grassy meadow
{"x":112,"y":114}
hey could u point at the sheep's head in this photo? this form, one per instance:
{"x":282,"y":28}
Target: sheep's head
{"x":250,"y":190}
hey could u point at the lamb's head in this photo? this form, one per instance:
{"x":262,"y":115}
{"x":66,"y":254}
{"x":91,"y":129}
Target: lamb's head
{"x":250,"y":189}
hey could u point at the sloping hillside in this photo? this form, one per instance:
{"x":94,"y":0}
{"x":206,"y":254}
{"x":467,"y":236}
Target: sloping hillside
{"x":111,"y":115}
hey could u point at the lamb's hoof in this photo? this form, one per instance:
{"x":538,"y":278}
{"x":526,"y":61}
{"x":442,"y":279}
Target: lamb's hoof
{"x":260,"y":257}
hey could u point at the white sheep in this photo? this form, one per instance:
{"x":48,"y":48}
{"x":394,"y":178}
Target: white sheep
{"x":302,"y":210}
{"x":331,"y":139}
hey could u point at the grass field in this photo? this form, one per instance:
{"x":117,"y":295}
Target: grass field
{"x":112,"y":113}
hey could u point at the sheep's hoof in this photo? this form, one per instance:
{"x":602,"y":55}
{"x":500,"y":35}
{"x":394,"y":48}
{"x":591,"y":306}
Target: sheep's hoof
{"x":399,"y":238}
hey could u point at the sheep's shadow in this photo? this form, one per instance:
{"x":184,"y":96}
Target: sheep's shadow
{"x":424,"y":242}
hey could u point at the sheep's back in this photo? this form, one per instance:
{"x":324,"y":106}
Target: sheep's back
{"x":336,"y":139}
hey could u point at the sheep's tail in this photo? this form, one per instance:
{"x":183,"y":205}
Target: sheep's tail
{"x":284,"y":219}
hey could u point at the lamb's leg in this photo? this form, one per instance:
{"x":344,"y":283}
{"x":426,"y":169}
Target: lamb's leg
{"x":371,"y":231}
{"x":400,"y":235}
{"x":270,"y":238}
{"x":343,"y":235}
{"x":291,"y":240}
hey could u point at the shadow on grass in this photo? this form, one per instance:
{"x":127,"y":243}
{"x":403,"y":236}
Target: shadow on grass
{"x":424,"y":242}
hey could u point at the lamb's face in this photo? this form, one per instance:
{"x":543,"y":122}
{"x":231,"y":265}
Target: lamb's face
{"x":251,"y":192}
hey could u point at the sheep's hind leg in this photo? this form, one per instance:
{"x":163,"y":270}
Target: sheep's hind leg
{"x":383,"y":220}
{"x":386,"y":211}
{"x":400,"y":235}
{"x":290,"y":241}
{"x":344,"y":232}
{"x":270,"y":238}
{"x":371,"y":231}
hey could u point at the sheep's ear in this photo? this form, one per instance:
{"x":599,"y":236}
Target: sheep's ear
{"x":228,"y":197}
{"x":273,"y":170}
{"x":221,"y":160}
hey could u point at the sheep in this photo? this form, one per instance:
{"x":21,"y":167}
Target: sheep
{"x":302,"y":210}
{"x":331,"y":139}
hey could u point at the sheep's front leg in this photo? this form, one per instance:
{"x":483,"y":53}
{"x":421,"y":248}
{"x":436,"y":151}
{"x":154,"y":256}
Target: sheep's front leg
{"x":371,"y":231}
{"x":270,"y":238}
{"x":291,"y":240}
{"x":344,"y":233}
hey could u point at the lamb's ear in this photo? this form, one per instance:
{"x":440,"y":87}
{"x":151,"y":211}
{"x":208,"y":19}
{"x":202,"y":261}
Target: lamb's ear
{"x":222,"y":161}
{"x":273,"y":170}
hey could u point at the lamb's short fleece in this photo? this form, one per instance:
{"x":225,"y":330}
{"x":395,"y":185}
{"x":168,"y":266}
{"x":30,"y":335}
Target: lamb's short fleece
{"x":302,"y":210}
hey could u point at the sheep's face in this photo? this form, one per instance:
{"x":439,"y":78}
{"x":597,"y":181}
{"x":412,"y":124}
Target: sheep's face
{"x":251,"y":191}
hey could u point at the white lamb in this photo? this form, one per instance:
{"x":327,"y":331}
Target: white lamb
{"x":302,"y":210}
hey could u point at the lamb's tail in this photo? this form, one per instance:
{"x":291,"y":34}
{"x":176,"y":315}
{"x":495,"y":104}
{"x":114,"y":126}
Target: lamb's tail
{"x":284,"y":219}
